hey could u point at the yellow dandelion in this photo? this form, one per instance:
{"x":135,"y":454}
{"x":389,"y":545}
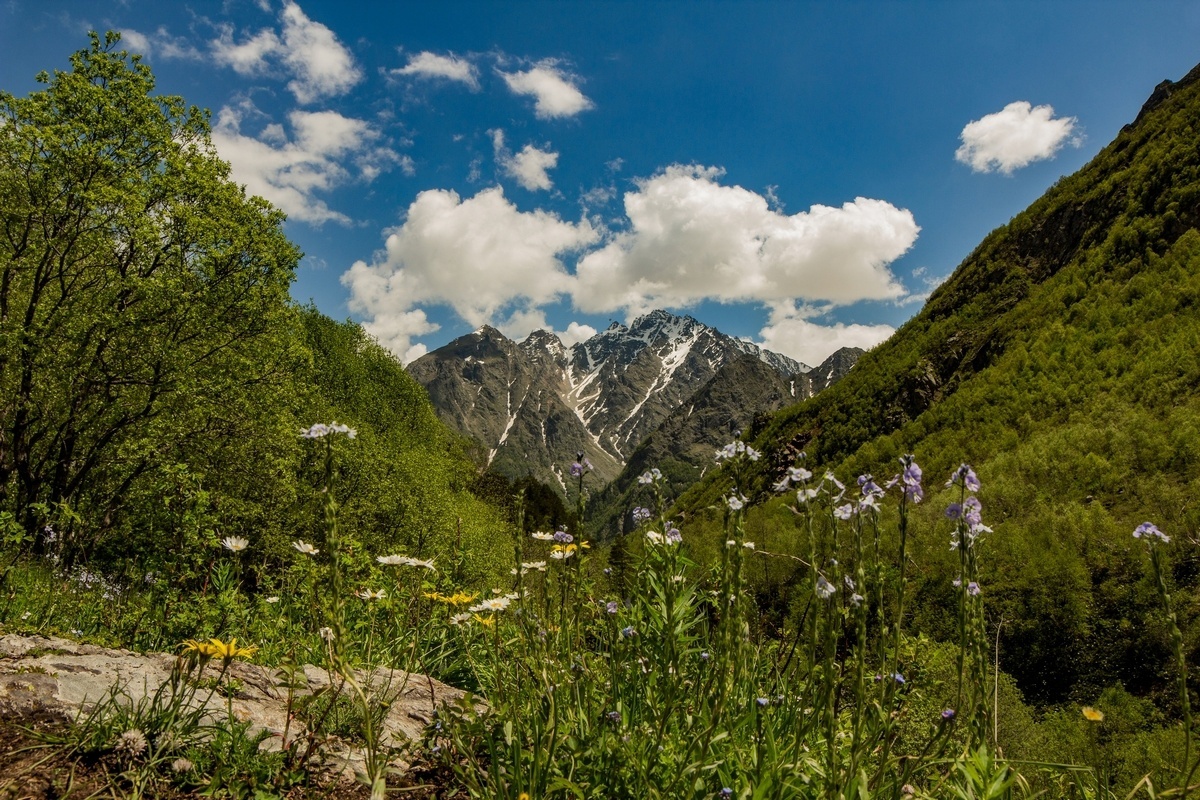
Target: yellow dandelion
{"x":1093,"y":714}
{"x":230,"y":651}
{"x":489,"y":621}
{"x":202,"y":649}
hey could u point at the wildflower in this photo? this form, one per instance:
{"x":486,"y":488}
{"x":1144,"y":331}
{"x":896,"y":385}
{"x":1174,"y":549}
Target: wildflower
{"x":849,"y":583}
{"x":390,"y":561}
{"x":326,"y":633}
{"x":1149,"y":529}
{"x":856,"y":599}
{"x":537,"y":566}
{"x":371,"y":594}
{"x":798,"y":474}
{"x":611,"y":606}
{"x":726,"y":793}
{"x":730,"y":543}
{"x":652,"y":476}
{"x":781,"y":486}
{"x":973,"y":589}
{"x":640,"y":515}
{"x":492,"y":604}
{"x":804,"y":495}
{"x":459,"y":619}
{"x":844,"y":512}
{"x":229,"y":651}
{"x":654,"y":536}
{"x":614,"y":716}
{"x":763,"y":702}
{"x":954,"y":511}
{"x":971,"y":509}
{"x":748,"y":545}
{"x":628,"y":632}
{"x":1093,"y":714}
{"x":965,"y":476}
{"x":825,"y":589}
{"x":320,"y":431}
{"x":949,"y":714}
{"x":542,"y":536}
{"x":704,"y":656}
{"x":304,"y":547}
{"x":423,"y":564}
{"x":898,"y":678}
{"x":182,"y":765}
{"x":235,"y":544}
{"x":273,"y":599}
{"x":563,"y":537}
{"x":736,"y":501}
{"x":957,"y":582}
{"x":133,"y":742}
{"x":673,"y":536}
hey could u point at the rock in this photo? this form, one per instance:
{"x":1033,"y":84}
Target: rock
{"x":48,"y":676}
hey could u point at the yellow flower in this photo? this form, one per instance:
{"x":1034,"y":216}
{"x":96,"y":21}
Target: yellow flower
{"x":1093,"y":714}
{"x":585,"y":546}
{"x":456,"y":599}
{"x":203,"y":649}
{"x":230,"y":651}
{"x":489,"y":621}
{"x":523,"y":796}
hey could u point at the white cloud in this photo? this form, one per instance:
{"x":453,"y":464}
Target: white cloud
{"x":1014,"y":137}
{"x":691,"y":239}
{"x":530,"y":167}
{"x":789,"y":331}
{"x":291,"y":172}
{"x":522,"y":322}
{"x":480,"y":256}
{"x":450,"y":67}
{"x":160,"y":43}
{"x":251,"y":56}
{"x":321,"y":65}
{"x":554,"y":90}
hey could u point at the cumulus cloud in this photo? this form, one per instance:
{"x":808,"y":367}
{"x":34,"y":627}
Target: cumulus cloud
{"x":691,"y":238}
{"x":319,"y":64}
{"x":448,"y":67}
{"x":530,"y":167}
{"x":1014,"y":137}
{"x":791,"y":331}
{"x":481,"y":256}
{"x":318,"y":156}
{"x":554,"y":90}
{"x":522,"y":322}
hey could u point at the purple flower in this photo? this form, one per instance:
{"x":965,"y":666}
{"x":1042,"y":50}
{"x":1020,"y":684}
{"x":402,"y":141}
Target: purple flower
{"x":825,"y":589}
{"x":799,"y":474}
{"x":763,"y":702}
{"x":641,"y":514}
{"x":726,"y":792}
{"x":964,"y":476}
{"x":562,"y":537}
{"x":949,"y":714}
{"x":898,"y":678}
{"x":973,"y":589}
{"x":577,"y":470}
{"x":844,"y":512}
{"x":614,"y":716}
{"x":611,"y":606}
{"x":674,"y":536}
{"x":628,"y":632}
{"x":1149,"y":529}
{"x":704,"y":656}
{"x":954,"y":511}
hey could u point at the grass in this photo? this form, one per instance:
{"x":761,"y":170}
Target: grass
{"x":658,"y":682}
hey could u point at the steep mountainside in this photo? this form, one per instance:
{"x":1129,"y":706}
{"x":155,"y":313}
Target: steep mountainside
{"x":1062,"y":360}
{"x":533,"y":405}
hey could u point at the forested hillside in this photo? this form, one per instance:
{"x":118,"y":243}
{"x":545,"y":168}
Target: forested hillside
{"x":154,"y":373}
{"x":1060,"y":360}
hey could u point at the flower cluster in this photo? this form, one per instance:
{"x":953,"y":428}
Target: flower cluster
{"x":909,"y":479}
{"x":735,"y":449}
{"x":1150,"y":531}
{"x":321,"y":430}
{"x":650,"y":477}
{"x":406,"y":561}
{"x":578,"y":468}
{"x":215,"y":648}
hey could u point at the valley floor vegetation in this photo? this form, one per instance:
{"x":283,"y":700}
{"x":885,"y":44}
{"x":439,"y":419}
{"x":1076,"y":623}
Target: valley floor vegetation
{"x":648,"y":677}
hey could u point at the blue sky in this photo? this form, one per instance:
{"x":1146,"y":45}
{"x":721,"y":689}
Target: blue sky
{"x":800,"y":174}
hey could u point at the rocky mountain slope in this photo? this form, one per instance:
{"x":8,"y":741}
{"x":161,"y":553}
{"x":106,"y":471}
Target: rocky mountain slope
{"x":532,"y":405}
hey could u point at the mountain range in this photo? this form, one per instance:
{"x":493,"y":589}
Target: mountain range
{"x":534,"y":405}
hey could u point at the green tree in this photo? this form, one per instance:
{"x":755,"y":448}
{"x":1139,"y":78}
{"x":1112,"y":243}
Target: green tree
{"x":144,"y":313}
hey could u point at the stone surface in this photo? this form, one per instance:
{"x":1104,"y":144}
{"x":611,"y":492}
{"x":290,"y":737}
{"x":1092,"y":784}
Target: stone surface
{"x":48,"y":675}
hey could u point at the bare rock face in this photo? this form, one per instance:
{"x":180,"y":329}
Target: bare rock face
{"x":44,"y":676}
{"x":533,"y":405}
